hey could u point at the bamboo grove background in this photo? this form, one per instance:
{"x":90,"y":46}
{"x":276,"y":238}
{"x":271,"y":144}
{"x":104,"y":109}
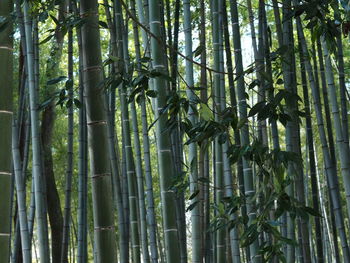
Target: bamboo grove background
{"x":174,"y":131}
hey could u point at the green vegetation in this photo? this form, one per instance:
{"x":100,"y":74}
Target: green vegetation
{"x":174,"y":131}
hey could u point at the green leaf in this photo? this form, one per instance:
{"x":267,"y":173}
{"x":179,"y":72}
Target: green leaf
{"x":103,"y":24}
{"x":191,"y":206}
{"x":205,"y":112}
{"x":193,"y":195}
{"x":279,"y":81}
{"x":69,"y":84}
{"x":256,"y":108}
{"x":151,"y":93}
{"x":55,"y":20}
{"x":77,"y":103}
{"x":46,"y":39}
{"x":312,"y":211}
{"x":198,"y":51}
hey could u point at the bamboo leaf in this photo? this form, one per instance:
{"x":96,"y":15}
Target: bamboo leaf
{"x":191,"y":206}
{"x":194,"y":194}
{"x":103,"y":24}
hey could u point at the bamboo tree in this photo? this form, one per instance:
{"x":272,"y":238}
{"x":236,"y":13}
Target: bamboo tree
{"x":192,"y":158}
{"x":291,"y":127}
{"x":227,"y":176}
{"x":203,"y":163}
{"x":330,"y":171}
{"x":163,"y":142}
{"x":47,"y":131}
{"x":341,"y":77}
{"x":311,"y":154}
{"x":37,"y":171}
{"x":343,"y":146}
{"x":82,"y":164}
{"x":137,"y":146}
{"x":330,"y":138}
{"x":6,"y":71}
{"x":146,"y":145}
{"x":220,"y":233}
{"x":242,"y":110}
{"x":69,"y":170}
{"x":104,"y":232}
{"x":20,"y":186}
{"x":122,"y":69}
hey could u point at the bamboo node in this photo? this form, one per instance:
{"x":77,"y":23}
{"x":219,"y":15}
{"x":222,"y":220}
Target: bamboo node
{"x":100,"y":175}
{"x":6,"y":47}
{"x":159,"y":66}
{"x":87,"y":14}
{"x":171,"y":230}
{"x":104,"y":228}
{"x":92,"y":68}
{"x":166,"y":150}
{"x":101,"y":122}
{"x":6,"y":112}
{"x":5,"y":173}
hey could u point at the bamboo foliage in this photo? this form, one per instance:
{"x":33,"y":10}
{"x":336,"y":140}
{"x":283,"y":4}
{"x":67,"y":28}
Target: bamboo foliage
{"x":210,"y":131}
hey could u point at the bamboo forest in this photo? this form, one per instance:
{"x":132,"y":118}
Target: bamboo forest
{"x":174,"y":131}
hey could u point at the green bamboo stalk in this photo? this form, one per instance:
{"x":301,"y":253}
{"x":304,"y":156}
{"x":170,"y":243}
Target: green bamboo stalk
{"x":278,"y":22}
{"x":113,"y":152}
{"x":242,"y":109}
{"x":6,"y":71}
{"x":69,"y":169}
{"x":31,"y":213}
{"x":97,"y":135}
{"x":293,"y":135}
{"x":319,"y":53}
{"x":279,"y":32}
{"x":252,"y":28}
{"x":82,"y":163}
{"x":330,"y":171}
{"x":220,"y":233}
{"x":164,"y":147}
{"x":203,"y":163}
{"x":137,"y":146}
{"x":177,"y":137}
{"x":130,"y":165}
{"x":37,"y":171}
{"x":125,"y":194}
{"x":260,"y":68}
{"x":235,"y":251}
{"x":192,"y":157}
{"x":269,"y":88}
{"x":343,"y":146}
{"x":311,"y":157}
{"x":146,"y":147}
{"x":149,"y":186}
{"x":341,"y":77}
{"x":20,"y":186}
{"x":47,"y":130}
{"x":291,"y":128}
